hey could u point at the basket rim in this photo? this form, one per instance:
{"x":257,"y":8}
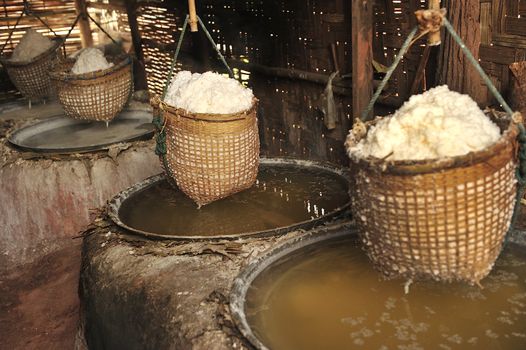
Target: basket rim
{"x":66,"y":75}
{"x":6,"y":60}
{"x":208,"y":117}
{"x":423,"y":166}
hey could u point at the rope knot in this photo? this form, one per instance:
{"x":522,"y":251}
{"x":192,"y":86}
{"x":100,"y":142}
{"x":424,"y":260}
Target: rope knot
{"x":430,"y":21}
{"x":517,"y":118}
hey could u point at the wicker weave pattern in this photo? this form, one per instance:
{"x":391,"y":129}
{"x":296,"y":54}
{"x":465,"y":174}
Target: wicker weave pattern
{"x":212,"y":157}
{"x":94,"y":96}
{"x":446,"y":224}
{"x":32,"y":78}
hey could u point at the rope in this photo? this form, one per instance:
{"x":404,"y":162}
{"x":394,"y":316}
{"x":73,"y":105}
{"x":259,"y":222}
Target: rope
{"x":101,"y":29}
{"x":174,"y":60}
{"x":477,"y":66}
{"x":207,"y":33}
{"x":12,"y":31}
{"x":403,"y":50}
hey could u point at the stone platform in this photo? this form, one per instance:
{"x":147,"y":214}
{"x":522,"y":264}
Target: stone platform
{"x":45,"y":202}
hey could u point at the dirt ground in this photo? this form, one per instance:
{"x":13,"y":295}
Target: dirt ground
{"x":39,"y":302}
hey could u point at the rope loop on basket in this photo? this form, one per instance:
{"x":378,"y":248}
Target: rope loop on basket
{"x":159,"y":123}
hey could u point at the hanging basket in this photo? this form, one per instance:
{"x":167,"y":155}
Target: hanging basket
{"x":99,"y":95}
{"x":210,"y":156}
{"x":442,"y":219}
{"x":31,"y":78}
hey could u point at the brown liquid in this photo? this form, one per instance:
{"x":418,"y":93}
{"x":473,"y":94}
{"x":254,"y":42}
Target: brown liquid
{"x":330,"y":297}
{"x":283,"y":195}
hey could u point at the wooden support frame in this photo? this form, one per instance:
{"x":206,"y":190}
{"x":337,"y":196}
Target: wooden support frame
{"x":362,"y":54}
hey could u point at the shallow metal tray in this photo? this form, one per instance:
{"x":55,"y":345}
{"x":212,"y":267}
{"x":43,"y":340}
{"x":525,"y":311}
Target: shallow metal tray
{"x":66,"y":135}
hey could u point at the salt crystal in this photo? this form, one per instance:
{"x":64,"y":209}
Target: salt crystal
{"x":436,"y":124}
{"x":32,"y":44}
{"x":90,"y":60}
{"x":208,"y":93}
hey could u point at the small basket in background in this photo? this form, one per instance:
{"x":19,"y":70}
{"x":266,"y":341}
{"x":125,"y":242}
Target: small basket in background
{"x":443,"y":219}
{"x":210,"y":156}
{"x":99,"y":95}
{"x":31,"y":77}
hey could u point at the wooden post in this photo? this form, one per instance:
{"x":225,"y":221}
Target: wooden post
{"x":193,"y":15}
{"x":453,"y":67}
{"x":85,"y":30}
{"x":140,"y":72}
{"x":433,"y":39}
{"x":362,"y":54}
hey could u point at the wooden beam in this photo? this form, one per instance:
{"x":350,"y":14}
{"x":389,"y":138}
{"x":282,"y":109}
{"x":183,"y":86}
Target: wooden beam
{"x":85,"y":29}
{"x":420,"y":71}
{"x":139,"y":67}
{"x":362,"y":54}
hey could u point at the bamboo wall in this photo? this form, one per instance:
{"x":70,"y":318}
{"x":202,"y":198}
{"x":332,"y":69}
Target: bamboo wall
{"x":503,"y":38}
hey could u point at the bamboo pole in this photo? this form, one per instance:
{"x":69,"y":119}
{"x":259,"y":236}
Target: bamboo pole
{"x":362,"y":55}
{"x":193,"y":16}
{"x":85,"y":29}
{"x":140,"y":73}
{"x":433,"y":39}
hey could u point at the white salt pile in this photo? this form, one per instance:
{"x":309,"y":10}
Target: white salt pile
{"x":208,"y":93}
{"x":90,"y":60}
{"x":438,"y":123}
{"x":30,"y":46}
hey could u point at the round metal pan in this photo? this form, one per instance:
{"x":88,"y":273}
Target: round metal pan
{"x":64,"y":135}
{"x":244,"y":280}
{"x":116,"y":203}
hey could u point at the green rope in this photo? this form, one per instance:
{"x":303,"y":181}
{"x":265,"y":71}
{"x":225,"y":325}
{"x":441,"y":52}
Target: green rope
{"x":174,"y":60}
{"x":403,"y":50}
{"x":221,"y":57}
{"x":477,"y":66}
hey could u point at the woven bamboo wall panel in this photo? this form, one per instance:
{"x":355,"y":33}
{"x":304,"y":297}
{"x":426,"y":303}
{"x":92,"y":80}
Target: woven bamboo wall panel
{"x":503,"y":24}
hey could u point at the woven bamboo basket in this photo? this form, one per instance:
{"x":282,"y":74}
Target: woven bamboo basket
{"x":210,"y":156}
{"x":31,"y":78}
{"x":99,"y":95}
{"x":441,"y":219}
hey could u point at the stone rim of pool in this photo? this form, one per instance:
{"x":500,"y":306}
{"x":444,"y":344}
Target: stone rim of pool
{"x":116,"y":203}
{"x":247,"y":276}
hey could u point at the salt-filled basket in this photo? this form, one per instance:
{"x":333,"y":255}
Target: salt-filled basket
{"x":211,"y":154}
{"x":443,"y":218}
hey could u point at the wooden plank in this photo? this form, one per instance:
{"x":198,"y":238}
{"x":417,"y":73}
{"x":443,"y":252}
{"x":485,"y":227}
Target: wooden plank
{"x":515,"y":26}
{"x":420,"y":72}
{"x":485,"y":23}
{"x":362,"y":54}
{"x":497,"y":54}
{"x":508,"y":40}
